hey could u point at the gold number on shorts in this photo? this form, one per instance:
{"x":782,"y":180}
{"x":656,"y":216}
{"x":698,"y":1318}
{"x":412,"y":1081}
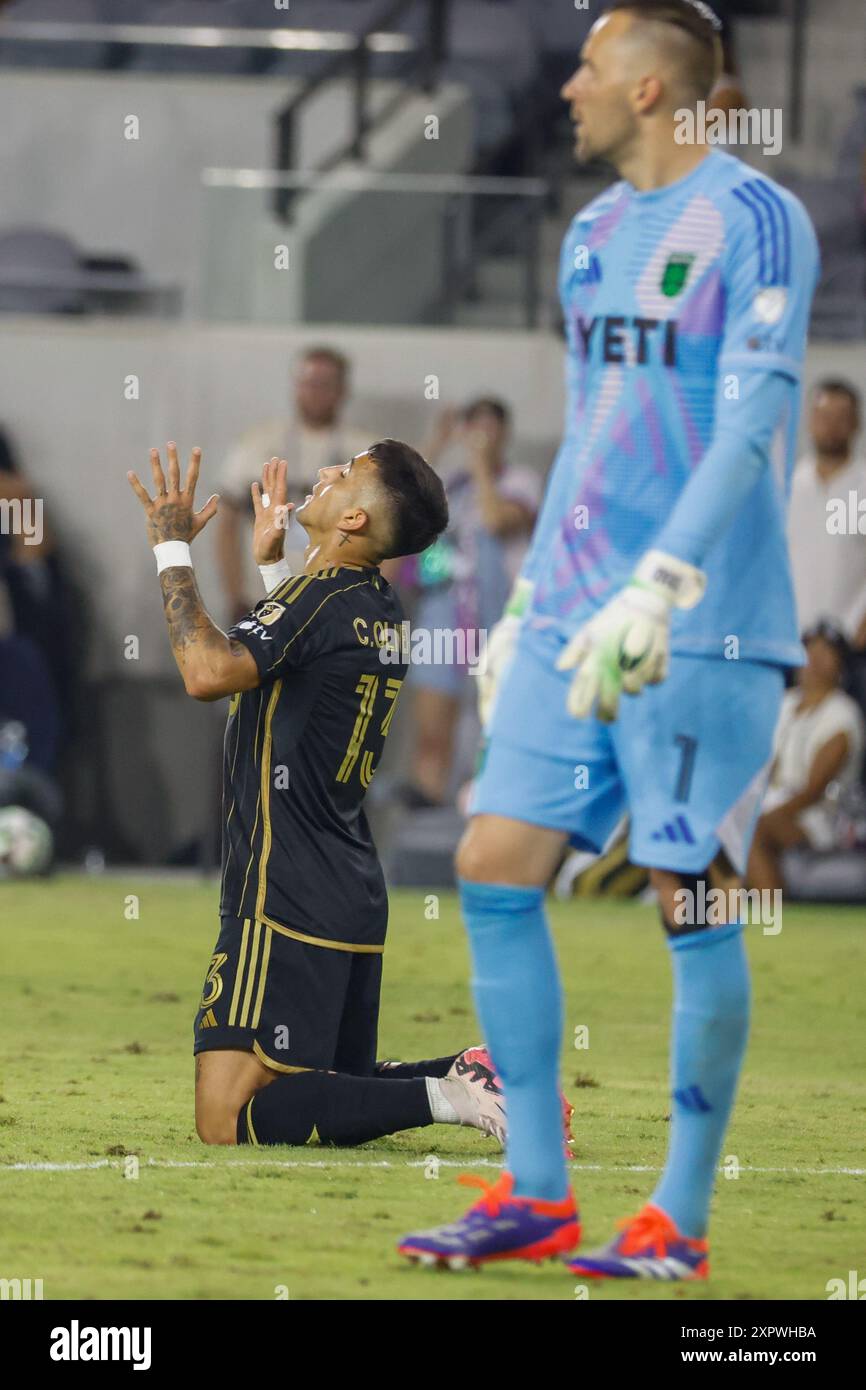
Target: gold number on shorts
{"x":213,"y":979}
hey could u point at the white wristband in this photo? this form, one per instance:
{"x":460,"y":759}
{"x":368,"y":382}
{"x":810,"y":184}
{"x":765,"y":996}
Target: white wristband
{"x":275,"y":574}
{"x":680,"y":584}
{"x":170,"y":554}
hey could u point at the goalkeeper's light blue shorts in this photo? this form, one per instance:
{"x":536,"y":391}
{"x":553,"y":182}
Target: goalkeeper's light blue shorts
{"x":687,"y":760}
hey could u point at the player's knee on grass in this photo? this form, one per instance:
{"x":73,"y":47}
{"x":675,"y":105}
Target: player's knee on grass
{"x":214,"y":1122}
{"x":224,"y":1083}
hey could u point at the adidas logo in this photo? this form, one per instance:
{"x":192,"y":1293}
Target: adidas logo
{"x":676,"y":832}
{"x":693,"y":1098}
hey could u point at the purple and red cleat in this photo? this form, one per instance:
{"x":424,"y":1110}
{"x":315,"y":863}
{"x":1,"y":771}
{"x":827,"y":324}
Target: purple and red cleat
{"x":498,"y":1227}
{"x":650,"y":1247}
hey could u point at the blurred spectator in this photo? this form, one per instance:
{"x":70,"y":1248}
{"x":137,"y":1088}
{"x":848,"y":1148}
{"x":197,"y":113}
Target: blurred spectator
{"x":728,"y":93}
{"x":829,"y":569}
{"x":818,"y":751}
{"x":464,"y":579}
{"x":312,"y":438}
{"x":35,"y":664}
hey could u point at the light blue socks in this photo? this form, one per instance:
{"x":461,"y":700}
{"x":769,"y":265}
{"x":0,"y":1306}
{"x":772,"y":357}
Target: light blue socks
{"x":708,"y":1041}
{"x":519,"y":1003}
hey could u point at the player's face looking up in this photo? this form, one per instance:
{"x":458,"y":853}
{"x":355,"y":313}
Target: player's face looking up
{"x":335,"y":502}
{"x":383,"y":503}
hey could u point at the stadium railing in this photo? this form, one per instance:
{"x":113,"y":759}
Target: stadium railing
{"x":197,"y":36}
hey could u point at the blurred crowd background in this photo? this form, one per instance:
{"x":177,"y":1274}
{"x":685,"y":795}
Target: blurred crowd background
{"x":292,"y":230}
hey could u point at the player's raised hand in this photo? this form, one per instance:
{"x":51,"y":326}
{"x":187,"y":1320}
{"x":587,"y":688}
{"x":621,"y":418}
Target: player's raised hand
{"x":273,"y":512}
{"x":626,"y":645}
{"x":171,"y":514}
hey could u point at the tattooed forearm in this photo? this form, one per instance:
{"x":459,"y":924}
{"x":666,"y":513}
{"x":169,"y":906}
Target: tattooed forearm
{"x":184,"y":611}
{"x":204,"y":654}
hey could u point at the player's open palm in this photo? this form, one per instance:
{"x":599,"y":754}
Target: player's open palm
{"x":171,"y":514}
{"x":273,"y":512}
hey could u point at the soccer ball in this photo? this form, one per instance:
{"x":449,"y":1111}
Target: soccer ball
{"x":26,"y":843}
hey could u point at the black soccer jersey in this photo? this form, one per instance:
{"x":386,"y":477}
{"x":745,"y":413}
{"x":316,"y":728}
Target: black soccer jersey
{"x":300,"y":752}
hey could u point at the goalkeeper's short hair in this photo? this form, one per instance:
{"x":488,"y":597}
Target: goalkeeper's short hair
{"x":700,"y":29}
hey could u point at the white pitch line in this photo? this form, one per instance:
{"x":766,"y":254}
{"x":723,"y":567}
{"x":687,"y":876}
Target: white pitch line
{"x":327,"y":1163}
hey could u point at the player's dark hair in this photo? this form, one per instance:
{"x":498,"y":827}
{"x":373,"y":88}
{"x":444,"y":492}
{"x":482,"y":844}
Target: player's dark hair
{"x":488,"y":405}
{"x":695,"y":19}
{"x":416,"y":497}
{"x":837,"y":386}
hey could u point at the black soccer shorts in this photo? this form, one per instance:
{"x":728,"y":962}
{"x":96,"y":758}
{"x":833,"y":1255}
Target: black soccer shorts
{"x":297,"y":1006}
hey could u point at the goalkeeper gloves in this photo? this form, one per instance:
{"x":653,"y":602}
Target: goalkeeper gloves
{"x":500,"y":647}
{"x":626,"y":645}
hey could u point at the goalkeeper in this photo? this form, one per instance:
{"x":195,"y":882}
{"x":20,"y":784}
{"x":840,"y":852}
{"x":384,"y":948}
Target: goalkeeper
{"x":640,"y":665}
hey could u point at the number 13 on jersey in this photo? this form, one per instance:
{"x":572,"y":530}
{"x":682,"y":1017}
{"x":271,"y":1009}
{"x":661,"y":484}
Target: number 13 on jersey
{"x":368,"y":689}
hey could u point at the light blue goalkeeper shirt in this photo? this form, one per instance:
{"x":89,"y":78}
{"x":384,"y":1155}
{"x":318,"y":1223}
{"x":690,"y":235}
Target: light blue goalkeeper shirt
{"x":686,"y":312}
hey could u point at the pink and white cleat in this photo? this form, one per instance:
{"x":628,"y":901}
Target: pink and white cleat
{"x":481,"y":1096}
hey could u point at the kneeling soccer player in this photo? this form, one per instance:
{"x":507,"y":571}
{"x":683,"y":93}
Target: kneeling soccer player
{"x":686,"y":290}
{"x":285,"y":1036}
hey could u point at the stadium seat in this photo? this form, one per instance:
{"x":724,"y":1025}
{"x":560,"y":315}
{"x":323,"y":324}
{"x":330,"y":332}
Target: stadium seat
{"x":40,"y":273}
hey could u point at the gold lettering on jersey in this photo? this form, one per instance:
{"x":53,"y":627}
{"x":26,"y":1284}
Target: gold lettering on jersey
{"x":383,"y":634}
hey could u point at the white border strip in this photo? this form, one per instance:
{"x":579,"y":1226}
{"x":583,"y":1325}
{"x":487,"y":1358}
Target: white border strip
{"x":326,"y":1163}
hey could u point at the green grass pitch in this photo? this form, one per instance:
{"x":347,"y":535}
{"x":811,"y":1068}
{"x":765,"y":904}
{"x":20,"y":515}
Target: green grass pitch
{"x":96,"y":1037}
